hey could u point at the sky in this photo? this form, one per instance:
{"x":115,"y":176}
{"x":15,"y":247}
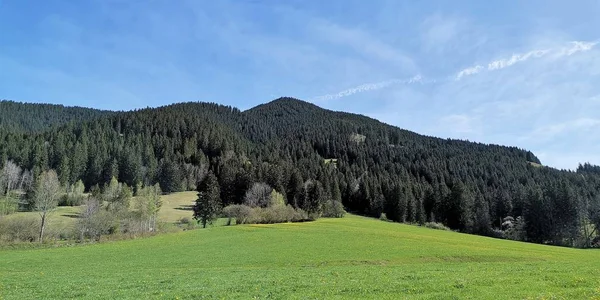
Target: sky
{"x":517,"y":73}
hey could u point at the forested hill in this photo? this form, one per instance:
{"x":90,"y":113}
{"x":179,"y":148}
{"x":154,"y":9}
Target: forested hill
{"x":371,"y":167}
{"x":17,"y":116}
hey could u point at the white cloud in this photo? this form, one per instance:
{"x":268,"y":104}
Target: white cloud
{"x":503,"y":63}
{"x":469,"y":71}
{"x":576,"y":46}
{"x":499,"y":64}
{"x":368,"y":87}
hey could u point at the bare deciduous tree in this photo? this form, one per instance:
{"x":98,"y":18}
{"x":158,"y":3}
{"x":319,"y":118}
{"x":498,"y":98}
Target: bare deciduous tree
{"x":10,"y":176}
{"x":258,"y":195}
{"x":26,"y":180}
{"x":87,"y":222}
{"x":46,"y":195}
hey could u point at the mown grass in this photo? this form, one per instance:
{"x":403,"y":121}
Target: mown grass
{"x":353,"y":257}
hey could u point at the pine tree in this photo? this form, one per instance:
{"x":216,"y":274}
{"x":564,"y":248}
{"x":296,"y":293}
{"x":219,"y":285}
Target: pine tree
{"x":169,"y":176}
{"x":208,"y":203}
{"x":294,"y":189}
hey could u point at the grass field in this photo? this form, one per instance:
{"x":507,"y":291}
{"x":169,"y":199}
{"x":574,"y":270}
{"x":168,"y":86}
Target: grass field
{"x":353,"y":257}
{"x":175,"y":206}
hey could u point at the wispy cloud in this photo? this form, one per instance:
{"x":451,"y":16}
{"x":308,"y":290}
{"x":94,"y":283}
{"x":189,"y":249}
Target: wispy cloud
{"x":576,"y":47}
{"x":369,"y":87}
{"x":573,"y":48}
{"x":516,"y":58}
{"x":469,"y":71}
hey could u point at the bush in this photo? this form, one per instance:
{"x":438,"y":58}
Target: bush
{"x":383,"y":217}
{"x":96,"y":221}
{"x":438,"y":226}
{"x":241,"y":213}
{"x":19,"y":229}
{"x":74,"y":195}
{"x":333,"y":209}
{"x":186,"y":223}
{"x":244,"y":214}
{"x":71,"y":200}
{"x":278,"y":214}
{"x":8,"y":205}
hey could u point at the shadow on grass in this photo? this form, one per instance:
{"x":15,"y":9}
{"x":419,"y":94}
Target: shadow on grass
{"x":185,"y":207}
{"x":74,"y":216}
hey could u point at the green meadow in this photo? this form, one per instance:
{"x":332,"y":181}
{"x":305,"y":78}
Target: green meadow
{"x":352,"y":257}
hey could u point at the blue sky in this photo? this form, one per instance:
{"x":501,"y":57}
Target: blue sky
{"x":521,"y":73}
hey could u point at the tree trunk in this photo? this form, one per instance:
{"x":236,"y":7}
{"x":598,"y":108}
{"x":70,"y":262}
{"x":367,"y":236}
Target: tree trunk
{"x":42,"y":227}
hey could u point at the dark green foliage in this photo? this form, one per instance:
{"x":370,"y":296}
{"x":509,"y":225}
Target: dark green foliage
{"x":313,"y":198}
{"x":371,"y":167}
{"x":17,"y":116}
{"x":208,"y":203}
{"x":169,"y":176}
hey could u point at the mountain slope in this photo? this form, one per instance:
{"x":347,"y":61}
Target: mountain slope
{"x":371,"y":167}
{"x":17,"y":116}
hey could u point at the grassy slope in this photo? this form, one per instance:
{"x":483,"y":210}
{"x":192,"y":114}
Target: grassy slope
{"x":353,"y":257}
{"x":175,"y":206}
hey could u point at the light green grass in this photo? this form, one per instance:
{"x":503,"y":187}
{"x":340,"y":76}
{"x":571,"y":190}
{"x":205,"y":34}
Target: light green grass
{"x":353,"y":257}
{"x":176,"y":206}
{"x":60,"y":220}
{"x":63,"y":219}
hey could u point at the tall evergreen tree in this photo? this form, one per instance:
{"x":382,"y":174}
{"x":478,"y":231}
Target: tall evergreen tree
{"x":208,"y":203}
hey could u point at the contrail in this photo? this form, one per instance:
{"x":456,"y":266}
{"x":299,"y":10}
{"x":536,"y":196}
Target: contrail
{"x":572,"y":48}
{"x":576,"y":46}
{"x":369,"y":87}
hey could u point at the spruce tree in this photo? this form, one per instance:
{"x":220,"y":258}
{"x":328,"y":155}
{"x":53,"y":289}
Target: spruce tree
{"x":208,"y":203}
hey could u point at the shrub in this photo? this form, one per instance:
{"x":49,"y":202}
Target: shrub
{"x":514,"y":228}
{"x":278,"y":214}
{"x":333,"y":209}
{"x":186,"y":223}
{"x":241,"y":213}
{"x":244,"y":214}
{"x":71,"y":200}
{"x":95,"y":221}
{"x":19,"y":229}
{"x":435,"y":225}
{"x":276,"y":199}
{"x":300,"y":215}
{"x":74,"y":195}
{"x":8,"y":205}
{"x":383,"y":217}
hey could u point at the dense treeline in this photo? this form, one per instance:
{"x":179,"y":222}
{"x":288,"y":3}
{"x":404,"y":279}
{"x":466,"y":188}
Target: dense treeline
{"x":17,"y":116}
{"x":297,"y":148}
